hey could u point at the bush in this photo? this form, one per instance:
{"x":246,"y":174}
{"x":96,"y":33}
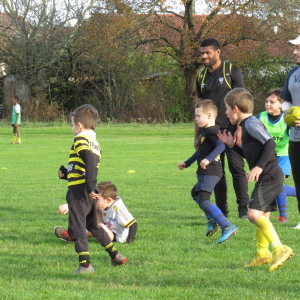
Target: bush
{"x":263,"y":74}
{"x":40,"y":110}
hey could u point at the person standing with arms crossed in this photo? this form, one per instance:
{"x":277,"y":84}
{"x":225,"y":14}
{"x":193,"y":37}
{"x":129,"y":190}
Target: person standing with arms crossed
{"x":291,"y":94}
{"x":16,"y":119}
{"x":214,"y":82}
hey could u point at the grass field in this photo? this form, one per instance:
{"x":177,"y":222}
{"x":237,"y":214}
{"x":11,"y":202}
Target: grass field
{"x":170,"y":259}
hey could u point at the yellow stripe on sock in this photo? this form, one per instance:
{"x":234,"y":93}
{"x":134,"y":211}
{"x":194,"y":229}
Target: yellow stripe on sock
{"x":109,"y":245}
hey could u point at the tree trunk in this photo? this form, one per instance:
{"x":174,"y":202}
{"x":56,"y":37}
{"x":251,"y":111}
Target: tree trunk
{"x":190,"y":89}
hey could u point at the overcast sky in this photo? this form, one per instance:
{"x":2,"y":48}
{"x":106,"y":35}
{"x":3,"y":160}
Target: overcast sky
{"x":200,"y":6}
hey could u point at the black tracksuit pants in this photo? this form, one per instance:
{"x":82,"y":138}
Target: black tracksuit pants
{"x":236,"y":166}
{"x":82,"y":216}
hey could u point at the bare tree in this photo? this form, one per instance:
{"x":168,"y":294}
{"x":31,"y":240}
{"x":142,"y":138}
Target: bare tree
{"x":37,"y":38}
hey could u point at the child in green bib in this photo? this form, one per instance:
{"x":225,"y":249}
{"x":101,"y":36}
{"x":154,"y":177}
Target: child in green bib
{"x":16,"y":119}
{"x":273,"y":120}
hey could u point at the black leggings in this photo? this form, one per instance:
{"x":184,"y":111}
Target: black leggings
{"x":82,"y":216}
{"x":294,"y":154}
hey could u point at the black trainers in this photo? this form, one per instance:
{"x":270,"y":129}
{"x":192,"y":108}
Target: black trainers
{"x":82,"y":269}
{"x":243,"y":214}
{"x":119,"y":260}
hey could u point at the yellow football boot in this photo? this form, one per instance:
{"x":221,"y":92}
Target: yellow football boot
{"x":280,"y":256}
{"x":258,"y":260}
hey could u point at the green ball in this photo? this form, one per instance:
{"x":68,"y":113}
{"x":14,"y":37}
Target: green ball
{"x":290,"y":116}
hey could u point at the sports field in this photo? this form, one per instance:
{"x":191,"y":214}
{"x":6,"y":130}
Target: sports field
{"x":170,"y":259}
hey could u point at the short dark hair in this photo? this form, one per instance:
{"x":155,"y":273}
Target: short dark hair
{"x":107,"y":189}
{"x":16,"y":98}
{"x":87,"y":115}
{"x":241,"y":98}
{"x":275,"y":91}
{"x":211,"y":42}
{"x":208,"y":105}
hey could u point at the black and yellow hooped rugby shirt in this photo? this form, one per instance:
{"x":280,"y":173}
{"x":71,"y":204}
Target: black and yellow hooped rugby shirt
{"x":84,"y":161}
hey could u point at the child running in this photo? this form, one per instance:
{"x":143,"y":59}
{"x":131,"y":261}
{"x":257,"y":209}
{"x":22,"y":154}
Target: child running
{"x":112,"y":215}
{"x":81,"y":196}
{"x":259,"y":151}
{"x":209,"y":170}
{"x":273,"y":120}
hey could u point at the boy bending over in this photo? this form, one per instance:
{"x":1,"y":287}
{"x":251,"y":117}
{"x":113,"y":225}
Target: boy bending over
{"x":112,"y":216}
{"x":81,"y":196}
{"x":259,"y":151}
{"x":209,"y":170}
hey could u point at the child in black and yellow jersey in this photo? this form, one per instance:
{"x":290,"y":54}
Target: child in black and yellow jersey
{"x":82,"y":196}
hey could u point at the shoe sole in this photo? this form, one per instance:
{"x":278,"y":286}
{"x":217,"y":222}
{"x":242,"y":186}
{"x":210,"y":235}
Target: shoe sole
{"x":60,"y":237}
{"x":259,"y":264}
{"x":212,"y":231}
{"x":281,"y":263}
{"x":228,"y":237}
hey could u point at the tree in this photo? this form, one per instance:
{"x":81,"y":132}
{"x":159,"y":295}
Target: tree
{"x":37,"y":39}
{"x":231,"y":22}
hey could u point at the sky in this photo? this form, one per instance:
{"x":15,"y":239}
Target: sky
{"x":200,"y":6}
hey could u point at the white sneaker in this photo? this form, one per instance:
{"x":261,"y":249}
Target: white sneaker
{"x":297,"y":226}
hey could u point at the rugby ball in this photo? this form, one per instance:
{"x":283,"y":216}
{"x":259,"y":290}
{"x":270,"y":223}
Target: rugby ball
{"x":290,"y":116}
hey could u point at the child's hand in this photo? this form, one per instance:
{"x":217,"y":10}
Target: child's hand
{"x":238,"y":136}
{"x":63,"y":209}
{"x":62,"y":172}
{"x":93,"y":195}
{"x":181,"y":166}
{"x":254,"y":174}
{"x":226,"y":138}
{"x":297,"y":122}
{"x":204,"y":162}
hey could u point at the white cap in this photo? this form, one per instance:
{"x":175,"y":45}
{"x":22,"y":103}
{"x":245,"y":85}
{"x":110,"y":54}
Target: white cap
{"x":296,"y":41}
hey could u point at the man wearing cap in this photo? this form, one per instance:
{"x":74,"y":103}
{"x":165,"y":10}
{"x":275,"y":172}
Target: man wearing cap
{"x":291,"y":93}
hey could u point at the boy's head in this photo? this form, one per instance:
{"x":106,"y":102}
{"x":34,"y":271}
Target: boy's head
{"x":238,"y":102}
{"x":15,"y":100}
{"x":205,"y":113}
{"x":83,"y":118}
{"x":107,"y":194}
{"x":273,"y":102}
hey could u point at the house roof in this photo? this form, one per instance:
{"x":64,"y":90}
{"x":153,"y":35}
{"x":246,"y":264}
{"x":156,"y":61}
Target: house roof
{"x":227,"y":29}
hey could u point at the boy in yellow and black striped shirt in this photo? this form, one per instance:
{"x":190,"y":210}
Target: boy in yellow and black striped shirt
{"x":82,"y":196}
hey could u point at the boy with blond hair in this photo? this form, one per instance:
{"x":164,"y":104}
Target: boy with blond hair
{"x":81,"y":196}
{"x":112,"y":215}
{"x":259,"y":151}
{"x":209,"y":170}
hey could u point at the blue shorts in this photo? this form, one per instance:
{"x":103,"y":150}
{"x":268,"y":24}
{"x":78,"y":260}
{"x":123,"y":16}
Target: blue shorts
{"x":207,"y":183}
{"x":285,"y":165}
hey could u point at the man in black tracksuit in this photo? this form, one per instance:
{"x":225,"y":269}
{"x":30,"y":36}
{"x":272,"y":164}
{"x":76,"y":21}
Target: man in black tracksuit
{"x":213,"y":83}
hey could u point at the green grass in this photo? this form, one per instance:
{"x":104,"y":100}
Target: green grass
{"x":170,"y":259}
